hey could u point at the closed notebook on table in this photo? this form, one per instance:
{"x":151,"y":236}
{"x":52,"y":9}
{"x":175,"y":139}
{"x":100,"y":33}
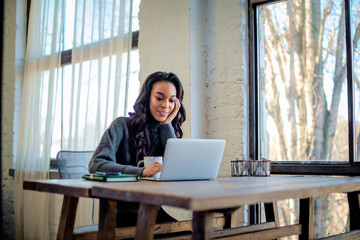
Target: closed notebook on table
{"x":112,"y":177}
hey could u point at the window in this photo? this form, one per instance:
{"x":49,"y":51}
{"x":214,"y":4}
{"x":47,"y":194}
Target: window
{"x":304,"y":94}
{"x":305,"y":87}
{"x":93,"y":88}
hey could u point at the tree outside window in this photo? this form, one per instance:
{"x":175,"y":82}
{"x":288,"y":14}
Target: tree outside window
{"x":307,"y":104}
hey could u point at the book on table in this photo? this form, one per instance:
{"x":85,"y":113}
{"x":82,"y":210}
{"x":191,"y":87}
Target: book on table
{"x":111,"y":177}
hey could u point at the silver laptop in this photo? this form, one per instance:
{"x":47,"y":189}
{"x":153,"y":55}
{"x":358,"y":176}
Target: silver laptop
{"x":191,"y":159}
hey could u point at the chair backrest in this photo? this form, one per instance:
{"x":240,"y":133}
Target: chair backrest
{"x":73,"y":164}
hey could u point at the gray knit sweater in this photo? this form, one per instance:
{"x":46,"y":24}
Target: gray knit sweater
{"x":113,"y":152}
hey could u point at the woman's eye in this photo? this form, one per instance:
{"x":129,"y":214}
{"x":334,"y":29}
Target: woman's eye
{"x":158,"y":98}
{"x":172,"y":100}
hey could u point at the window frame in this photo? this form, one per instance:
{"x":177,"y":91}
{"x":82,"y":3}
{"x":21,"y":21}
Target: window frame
{"x":345,"y":168}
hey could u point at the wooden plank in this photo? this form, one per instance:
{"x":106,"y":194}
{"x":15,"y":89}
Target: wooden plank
{"x":311,"y":217}
{"x":67,"y":218}
{"x":202,"y":225}
{"x":276,"y":214}
{"x":354,"y":210}
{"x":253,"y":232}
{"x":353,"y":235}
{"x":267,"y":234}
{"x":85,"y":236}
{"x":229,"y":216}
{"x":107,"y":219}
{"x":244,"y":229}
{"x":146,"y":221}
{"x":129,"y":232}
{"x":182,"y":237}
{"x":163,"y":228}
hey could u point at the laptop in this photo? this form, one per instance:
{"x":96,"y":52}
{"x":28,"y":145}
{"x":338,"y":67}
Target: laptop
{"x":191,"y":159}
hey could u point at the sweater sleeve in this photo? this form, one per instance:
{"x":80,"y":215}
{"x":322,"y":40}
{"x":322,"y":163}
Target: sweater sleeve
{"x":104,"y":157}
{"x":166,"y":131}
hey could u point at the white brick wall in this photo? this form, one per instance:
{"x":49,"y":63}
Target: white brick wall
{"x":167,"y":43}
{"x":207,"y":49}
{"x":13,"y":63}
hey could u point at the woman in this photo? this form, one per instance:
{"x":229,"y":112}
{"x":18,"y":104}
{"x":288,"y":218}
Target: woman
{"x":158,"y":116}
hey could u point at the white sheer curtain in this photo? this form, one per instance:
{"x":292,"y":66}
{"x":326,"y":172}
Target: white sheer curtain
{"x":71,"y":104}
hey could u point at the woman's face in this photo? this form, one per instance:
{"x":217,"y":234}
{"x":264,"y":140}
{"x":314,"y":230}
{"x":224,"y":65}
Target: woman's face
{"x":162,"y":100}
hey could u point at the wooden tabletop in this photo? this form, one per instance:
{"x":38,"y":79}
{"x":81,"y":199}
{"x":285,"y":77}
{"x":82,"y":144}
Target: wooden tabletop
{"x":225,"y":192}
{"x":69,"y":187}
{"x":202,"y":195}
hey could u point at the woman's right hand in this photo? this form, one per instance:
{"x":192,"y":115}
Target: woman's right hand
{"x":152,"y":169}
{"x":173,"y":114}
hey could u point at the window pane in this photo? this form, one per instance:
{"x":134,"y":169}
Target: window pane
{"x":82,"y":18}
{"x":135,"y":17}
{"x":134,"y":83}
{"x":51,"y":22}
{"x":302,"y":81}
{"x":356,"y":49}
{"x":69,"y":24}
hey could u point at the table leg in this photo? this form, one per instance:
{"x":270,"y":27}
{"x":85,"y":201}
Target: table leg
{"x":67,"y":218}
{"x":354,"y":209}
{"x":107,"y":219}
{"x":202,"y":225}
{"x":146,"y":221}
{"x":307,"y":218}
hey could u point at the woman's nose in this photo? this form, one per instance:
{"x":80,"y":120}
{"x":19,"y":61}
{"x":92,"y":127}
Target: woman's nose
{"x":165,"y":104}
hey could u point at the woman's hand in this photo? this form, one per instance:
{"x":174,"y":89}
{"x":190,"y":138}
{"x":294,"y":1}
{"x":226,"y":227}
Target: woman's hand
{"x":152,"y":169}
{"x":173,"y":114}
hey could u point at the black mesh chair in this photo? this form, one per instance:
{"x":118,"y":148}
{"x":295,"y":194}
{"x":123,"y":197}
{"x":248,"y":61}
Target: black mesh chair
{"x":72,"y":165}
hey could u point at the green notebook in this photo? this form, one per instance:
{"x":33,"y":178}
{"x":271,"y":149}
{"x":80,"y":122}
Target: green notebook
{"x":112,"y":177}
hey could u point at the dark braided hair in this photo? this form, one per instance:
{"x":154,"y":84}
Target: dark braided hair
{"x":140,"y":119}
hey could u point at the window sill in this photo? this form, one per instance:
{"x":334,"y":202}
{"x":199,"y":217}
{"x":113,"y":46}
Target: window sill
{"x":316,"y":168}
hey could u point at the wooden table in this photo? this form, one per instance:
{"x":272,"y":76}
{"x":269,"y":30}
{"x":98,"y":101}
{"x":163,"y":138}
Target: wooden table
{"x":203,"y":198}
{"x":206,"y":197}
{"x":72,"y":189}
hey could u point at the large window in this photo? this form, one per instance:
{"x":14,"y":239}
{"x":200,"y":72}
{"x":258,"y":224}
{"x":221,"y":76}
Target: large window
{"x":97,"y":84}
{"x":305,"y":84}
{"x":305,"y":95}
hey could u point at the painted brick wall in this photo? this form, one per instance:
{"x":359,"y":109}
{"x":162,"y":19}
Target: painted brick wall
{"x":207,"y":49}
{"x":7,"y":108}
{"x":226,"y":64}
{"x":12,"y":75}
{"x":165,"y":43}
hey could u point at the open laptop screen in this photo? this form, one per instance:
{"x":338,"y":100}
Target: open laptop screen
{"x":192,"y":159}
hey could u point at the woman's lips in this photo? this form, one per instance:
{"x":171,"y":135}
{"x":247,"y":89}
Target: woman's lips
{"x":163,"y":114}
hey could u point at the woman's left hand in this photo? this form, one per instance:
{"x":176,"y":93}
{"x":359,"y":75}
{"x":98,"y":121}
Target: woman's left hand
{"x":152,"y":169}
{"x":173,"y":113}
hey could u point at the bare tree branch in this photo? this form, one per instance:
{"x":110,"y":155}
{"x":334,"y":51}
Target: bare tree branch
{"x":339,"y":77}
